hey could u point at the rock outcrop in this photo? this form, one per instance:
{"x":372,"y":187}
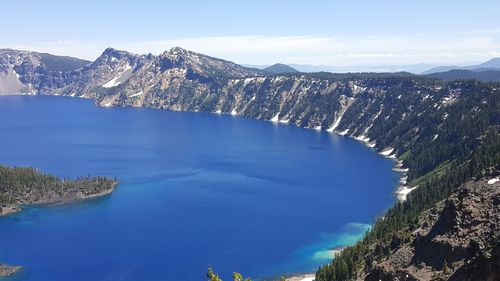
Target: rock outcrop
{"x":458,"y":239}
{"x":6,"y":270}
{"x":33,"y":73}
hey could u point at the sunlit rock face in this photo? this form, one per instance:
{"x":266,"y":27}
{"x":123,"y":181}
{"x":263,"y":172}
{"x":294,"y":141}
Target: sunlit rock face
{"x":385,"y":111}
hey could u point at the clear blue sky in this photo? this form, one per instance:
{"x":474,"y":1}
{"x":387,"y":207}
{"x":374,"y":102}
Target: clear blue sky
{"x":262,"y":32}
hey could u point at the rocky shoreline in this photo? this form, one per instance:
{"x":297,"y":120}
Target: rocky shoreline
{"x":6,"y":270}
{"x":66,"y":198}
{"x":9,"y":210}
{"x":21,"y":186}
{"x":301,"y":277}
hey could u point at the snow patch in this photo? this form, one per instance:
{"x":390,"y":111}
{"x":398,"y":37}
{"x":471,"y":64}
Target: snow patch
{"x":317,"y":128}
{"x":492,"y":181}
{"x":137,"y":94}
{"x":387,"y":151}
{"x":234,"y":112}
{"x":344,"y":132}
{"x":449,"y":100}
{"x":284,"y":121}
{"x":113,"y":82}
{"x":246,"y":81}
{"x":362,"y":138}
{"x":400,"y":170}
{"x":275,"y":118}
{"x":336,"y":123}
{"x":435,"y":137}
{"x":218,"y":111}
{"x":403,"y":192}
{"x":403,"y":180}
{"x":15,"y":73}
{"x":116,"y":81}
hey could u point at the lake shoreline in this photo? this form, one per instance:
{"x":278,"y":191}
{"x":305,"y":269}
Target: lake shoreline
{"x":292,"y":274}
{"x":301,"y":277}
{"x":16,"y":208}
{"x":7,"y":270}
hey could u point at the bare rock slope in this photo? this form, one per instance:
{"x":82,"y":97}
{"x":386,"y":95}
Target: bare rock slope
{"x":458,"y":239}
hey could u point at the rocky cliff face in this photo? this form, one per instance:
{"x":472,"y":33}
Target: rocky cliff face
{"x":458,"y":239}
{"x":400,"y":115}
{"x":410,"y":119}
{"x":31,"y":72}
{"x":109,"y":70}
{"x":6,"y":270}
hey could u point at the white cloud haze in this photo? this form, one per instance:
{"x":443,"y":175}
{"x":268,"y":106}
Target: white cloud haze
{"x":314,"y":50}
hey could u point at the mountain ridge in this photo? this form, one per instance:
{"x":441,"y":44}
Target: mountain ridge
{"x":279,"y":68}
{"x":490,"y":75}
{"x":431,"y":128}
{"x":492,"y":64}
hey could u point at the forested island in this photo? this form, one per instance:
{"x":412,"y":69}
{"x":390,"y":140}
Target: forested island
{"x":27,"y":186}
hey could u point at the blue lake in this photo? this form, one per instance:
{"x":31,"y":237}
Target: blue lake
{"x":195,"y":190}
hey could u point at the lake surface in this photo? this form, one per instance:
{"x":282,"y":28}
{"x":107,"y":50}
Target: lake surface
{"x":195,"y":190}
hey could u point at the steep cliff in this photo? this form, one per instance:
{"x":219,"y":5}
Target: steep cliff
{"x":457,"y":239}
{"x":420,"y":122}
{"x":31,"y":72}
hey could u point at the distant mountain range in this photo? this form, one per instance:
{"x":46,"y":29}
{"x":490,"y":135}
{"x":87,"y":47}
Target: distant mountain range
{"x":493,"y":64}
{"x":413,"y":68}
{"x":487,"y":72}
{"x":463,"y":74}
{"x":279,"y":68}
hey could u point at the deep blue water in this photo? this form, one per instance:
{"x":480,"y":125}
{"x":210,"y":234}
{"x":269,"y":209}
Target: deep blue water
{"x":195,"y":190}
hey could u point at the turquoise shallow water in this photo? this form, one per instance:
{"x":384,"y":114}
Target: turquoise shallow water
{"x":195,"y":190}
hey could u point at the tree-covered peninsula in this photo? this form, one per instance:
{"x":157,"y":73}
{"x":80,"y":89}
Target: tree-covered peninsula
{"x":27,"y":186}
